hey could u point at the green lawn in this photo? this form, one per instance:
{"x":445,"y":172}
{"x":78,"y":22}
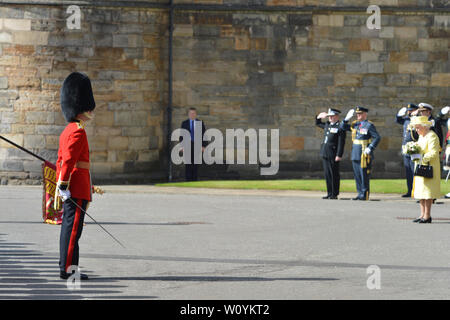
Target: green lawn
{"x":376,"y":185}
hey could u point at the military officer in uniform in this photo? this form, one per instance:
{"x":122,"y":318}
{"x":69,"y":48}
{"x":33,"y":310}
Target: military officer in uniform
{"x":365,"y":140}
{"x":72,"y":169}
{"x":404,"y":118}
{"x":426,"y":110}
{"x":442,"y":115}
{"x":331,"y":150}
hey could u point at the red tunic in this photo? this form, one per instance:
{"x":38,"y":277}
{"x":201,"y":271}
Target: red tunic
{"x":72,"y":166}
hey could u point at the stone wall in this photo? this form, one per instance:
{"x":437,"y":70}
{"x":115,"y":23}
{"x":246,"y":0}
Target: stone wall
{"x":241,"y":68}
{"x":280,"y":69}
{"x":121,"y":51}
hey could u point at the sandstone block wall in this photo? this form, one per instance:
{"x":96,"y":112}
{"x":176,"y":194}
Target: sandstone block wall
{"x":121,"y":51}
{"x":241,"y":68}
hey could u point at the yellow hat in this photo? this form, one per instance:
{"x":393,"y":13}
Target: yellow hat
{"x":422,"y":120}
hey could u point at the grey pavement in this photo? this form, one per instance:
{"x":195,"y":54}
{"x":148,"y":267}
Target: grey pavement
{"x":228,"y":244}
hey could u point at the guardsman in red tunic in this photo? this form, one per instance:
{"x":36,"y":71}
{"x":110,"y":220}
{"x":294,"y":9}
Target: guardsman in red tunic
{"x":72,"y":168}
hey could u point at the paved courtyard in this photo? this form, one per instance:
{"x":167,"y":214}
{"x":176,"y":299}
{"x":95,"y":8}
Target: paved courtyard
{"x":200,"y":244}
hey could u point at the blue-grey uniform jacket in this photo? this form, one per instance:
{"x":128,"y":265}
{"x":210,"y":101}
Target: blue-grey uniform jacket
{"x":408,"y":135}
{"x":365,"y":130}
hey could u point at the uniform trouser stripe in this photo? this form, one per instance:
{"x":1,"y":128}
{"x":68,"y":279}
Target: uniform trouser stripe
{"x":73,"y":235}
{"x":71,"y":229}
{"x":362,"y":179}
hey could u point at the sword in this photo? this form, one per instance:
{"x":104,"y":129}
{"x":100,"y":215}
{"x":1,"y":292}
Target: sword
{"x":23,"y":149}
{"x":84,"y":211}
{"x":98,"y":190}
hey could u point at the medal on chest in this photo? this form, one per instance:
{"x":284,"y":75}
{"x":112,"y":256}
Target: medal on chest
{"x":362,"y":130}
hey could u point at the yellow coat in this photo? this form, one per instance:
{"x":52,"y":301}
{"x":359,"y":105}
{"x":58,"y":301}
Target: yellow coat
{"x":425,"y":188}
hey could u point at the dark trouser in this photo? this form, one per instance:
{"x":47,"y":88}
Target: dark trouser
{"x":332,"y":176}
{"x":362,"y":179}
{"x":409,"y":169}
{"x":71,"y":228}
{"x":191,"y":170}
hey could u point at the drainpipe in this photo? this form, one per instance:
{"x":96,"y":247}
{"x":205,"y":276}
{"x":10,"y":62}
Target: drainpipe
{"x":170,"y":94}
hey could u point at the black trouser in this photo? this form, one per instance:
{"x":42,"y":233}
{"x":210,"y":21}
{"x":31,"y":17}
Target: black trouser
{"x":332,"y":176}
{"x":71,"y":228}
{"x":192,"y":169}
{"x":409,"y":169}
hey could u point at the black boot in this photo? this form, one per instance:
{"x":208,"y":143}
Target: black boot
{"x":65,"y":275}
{"x":408,"y":195}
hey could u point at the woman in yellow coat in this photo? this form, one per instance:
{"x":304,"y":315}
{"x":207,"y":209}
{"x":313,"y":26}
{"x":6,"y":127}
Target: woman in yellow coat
{"x":427,"y":189}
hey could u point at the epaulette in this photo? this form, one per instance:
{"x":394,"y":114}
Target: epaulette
{"x":81,"y":124}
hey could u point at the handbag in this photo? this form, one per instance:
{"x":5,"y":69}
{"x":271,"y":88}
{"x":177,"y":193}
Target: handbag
{"x":425,"y":171}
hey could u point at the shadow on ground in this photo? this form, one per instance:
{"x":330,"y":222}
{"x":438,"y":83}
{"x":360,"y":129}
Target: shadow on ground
{"x":29,"y":274}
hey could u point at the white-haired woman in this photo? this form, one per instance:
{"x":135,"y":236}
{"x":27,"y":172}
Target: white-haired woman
{"x":427,"y":189}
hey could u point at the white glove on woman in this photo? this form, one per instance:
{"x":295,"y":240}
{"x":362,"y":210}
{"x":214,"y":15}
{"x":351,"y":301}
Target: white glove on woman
{"x":445,"y":110}
{"x":402,"y":112}
{"x":367,"y":150}
{"x":64,"y":194}
{"x":350,"y":114}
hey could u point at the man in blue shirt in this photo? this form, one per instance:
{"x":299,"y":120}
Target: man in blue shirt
{"x":365,"y":139}
{"x":404,"y":118}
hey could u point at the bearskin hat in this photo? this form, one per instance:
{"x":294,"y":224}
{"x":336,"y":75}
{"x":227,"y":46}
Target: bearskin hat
{"x":76,"y":96}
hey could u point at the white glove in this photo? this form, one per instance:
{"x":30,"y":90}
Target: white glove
{"x":350,"y":114}
{"x":64,"y":194}
{"x":367,"y":150}
{"x":322,"y":115}
{"x":445,"y":110}
{"x":402,"y":112}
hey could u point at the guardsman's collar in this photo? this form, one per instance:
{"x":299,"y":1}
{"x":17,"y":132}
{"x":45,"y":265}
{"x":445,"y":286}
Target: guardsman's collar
{"x":80,"y":123}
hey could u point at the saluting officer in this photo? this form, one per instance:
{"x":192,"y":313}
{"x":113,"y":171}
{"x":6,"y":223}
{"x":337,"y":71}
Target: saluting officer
{"x":404,"y":118}
{"x":331,"y":150}
{"x":365,"y":140}
{"x":442,"y":115}
{"x":426,"y":110}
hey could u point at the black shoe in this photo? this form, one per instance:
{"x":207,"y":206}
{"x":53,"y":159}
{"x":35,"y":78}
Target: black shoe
{"x":408,"y":195}
{"x":333,"y":197}
{"x":64,"y":275}
{"x":417,"y":220}
{"x":326,"y":197}
{"x":425,"y":221}
{"x":357,"y":198}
